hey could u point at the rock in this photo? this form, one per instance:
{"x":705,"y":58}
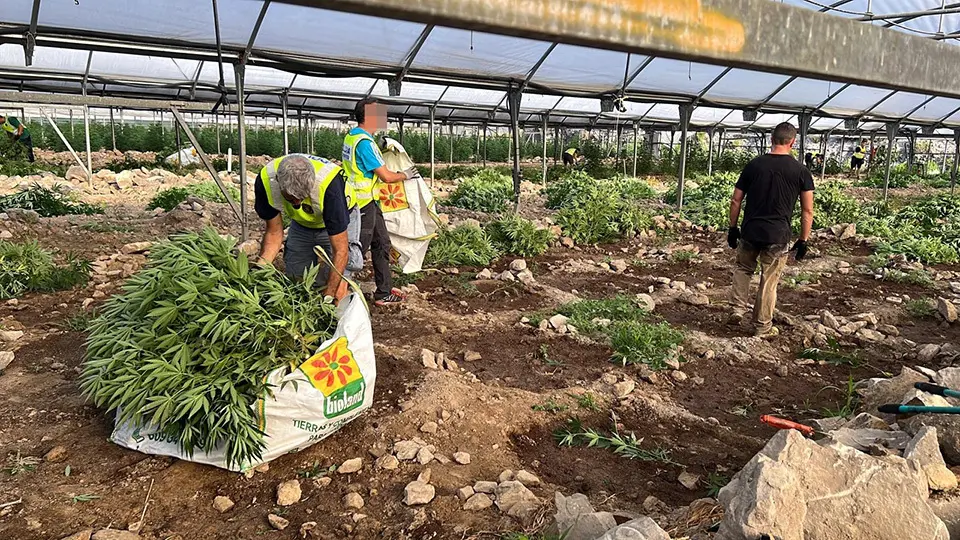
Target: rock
{"x":82,"y":535}
{"x":515,"y":500}
{"x":852,"y":327}
{"x":877,"y":392}
{"x":566,"y":242}
{"x":558,"y":321}
{"x":870,"y":336}
{"x":114,"y":534}
{"x":865,"y":439}
{"x":57,"y":453}
{"x":783,"y":371}
{"x":642,"y":528}
{"x":894,"y":299}
{"x":484,"y":486}
{"x":695,"y":299}
{"x":424,"y":455}
{"x":425,"y":475}
{"x":796,"y":489}
{"x":948,"y":432}
{"x":619,"y":265}
{"x":76,"y":173}
{"x":25,"y":216}
{"x":518,"y":265}
{"x":222,"y":504}
{"x":947,"y":310}
{"x":527,"y":478}
{"x":350,"y":466}
{"x":506,"y":476}
{"x":526,"y":277}
{"x":428,"y":358}
{"x":449,"y":364}
{"x":624,"y":388}
{"x":479,"y":501}
{"x":322,"y":482}
{"x":919,"y":397}
{"x":406,"y":450}
{"x":829,"y":320}
{"x":672,"y":362}
{"x":926,"y":450}
{"x":576,"y":518}
{"x":10,"y":335}
{"x":646,"y":302}
{"x":6,"y":357}
{"x":462,"y":458}
{"x":352,"y":501}
{"x":429,"y":427}
{"x":928,"y":352}
{"x":277,"y":522}
{"x":472,"y":356}
{"x":506,"y":275}
{"x":135,"y":247}
{"x":688,"y":480}
{"x":465,"y":493}
{"x":485,"y":274}
{"x":288,"y":493}
{"x":387,"y":462}
{"x":418,"y":492}
{"x":678,"y":375}
{"x":862,"y":421}
{"x":888,"y":330}
{"x":870,"y":318}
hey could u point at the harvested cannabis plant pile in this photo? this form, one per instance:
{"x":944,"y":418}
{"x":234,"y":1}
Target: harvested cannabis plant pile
{"x":486,"y":191}
{"x":28,"y":267}
{"x":170,"y":198}
{"x":47,"y":202}
{"x":188,"y":344}
{"x":519,"y":236}
{"x":466,"y":245}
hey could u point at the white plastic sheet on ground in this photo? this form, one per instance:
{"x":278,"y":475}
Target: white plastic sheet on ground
{"x":409,"y":210}
{"x":328,"y":390}
{"x":187,"y":156}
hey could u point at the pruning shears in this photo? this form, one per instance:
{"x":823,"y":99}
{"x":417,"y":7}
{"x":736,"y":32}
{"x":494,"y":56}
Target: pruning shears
{"x":893,"y":408}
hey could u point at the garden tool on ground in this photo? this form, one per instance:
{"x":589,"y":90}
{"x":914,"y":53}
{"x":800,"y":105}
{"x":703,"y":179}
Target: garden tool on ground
{"x":893,"y":408}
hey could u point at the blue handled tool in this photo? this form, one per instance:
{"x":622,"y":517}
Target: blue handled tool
{"x":893,"y":408}
{"x":936,"y":389}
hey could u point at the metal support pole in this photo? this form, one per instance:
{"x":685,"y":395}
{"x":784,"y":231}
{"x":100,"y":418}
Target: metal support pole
{"x":300,"y":131}
{"x":476,"y":155}
{"x":66,"y":143}
{"x":956,"y":159}
{"x":216,"y":119}
{"x":513,"y":99}
{"x":433,"y":113}
{"x":709,"y":151}
{"x":283,"y":111}
{"x":686,"y":111}
{"x":873,"y":143}
{"x":71,"y":121}
{"x":86,"y":139}
{"x":450,"y":130}
{"x":804,"y":121}
{"x":241,"y":132}
{"x":484,"y":144}
{"x":178,"y":117}
{"x":400,"y":129}
{"x":544,"y":164}
{"x":176,"y":130}
{"x":616,"y":160}
{"x":636,"y":135}
{"x":892,"y":128}
{"x":826,"y":147}
{"x":557,"y":147}
{"x":911,"y":151}
{"x":113,"y":131}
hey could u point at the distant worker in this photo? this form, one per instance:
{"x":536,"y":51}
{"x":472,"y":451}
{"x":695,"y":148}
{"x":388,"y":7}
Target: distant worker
{"x":18,"y":132}
{"x":813,"y":160}
{"x":771,"y":185}
{"x":570,"y":156}
{"x":857,"y":159}
{"x":365,"y":169}
{"x":323,"y":211}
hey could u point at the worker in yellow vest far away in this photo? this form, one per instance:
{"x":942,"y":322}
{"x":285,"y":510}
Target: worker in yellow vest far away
{"x":570,"y":156}
{"x":18,"y":132}
{"x":365,"y":170}
{"x":857,"y":159}
{"x":323,"y":211}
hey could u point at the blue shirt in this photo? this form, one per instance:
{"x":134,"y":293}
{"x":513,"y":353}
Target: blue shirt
{"x":368,"y":159}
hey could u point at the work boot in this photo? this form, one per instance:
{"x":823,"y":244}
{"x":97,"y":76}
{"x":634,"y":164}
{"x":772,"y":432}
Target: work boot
{"x":389,"y":300}
{"x":736,"y":318}
{"x":767,"y":333}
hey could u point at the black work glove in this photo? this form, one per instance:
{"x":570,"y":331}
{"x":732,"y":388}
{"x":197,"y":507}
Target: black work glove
{"x":801,"y":248}
{"x":733,"y":237}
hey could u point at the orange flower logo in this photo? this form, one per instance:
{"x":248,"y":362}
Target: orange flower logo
{"x":393,"y":197}
{"x":332,"y":368}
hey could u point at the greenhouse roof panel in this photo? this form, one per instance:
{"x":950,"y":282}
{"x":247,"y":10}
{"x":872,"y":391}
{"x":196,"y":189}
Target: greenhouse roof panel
{"x":583,"y":68}
{"x":463,"y":51}
{"x":675,"y":77}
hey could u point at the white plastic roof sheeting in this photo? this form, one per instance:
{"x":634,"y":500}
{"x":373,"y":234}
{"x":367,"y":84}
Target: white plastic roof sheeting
{"x":464,"y":74}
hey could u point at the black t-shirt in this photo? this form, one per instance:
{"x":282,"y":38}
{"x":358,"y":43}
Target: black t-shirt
{"x":336,"y":216}
{"x":772,"y":184}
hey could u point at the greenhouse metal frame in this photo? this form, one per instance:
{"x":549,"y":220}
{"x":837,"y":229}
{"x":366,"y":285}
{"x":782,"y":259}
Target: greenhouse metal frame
{"x":862,"y":67}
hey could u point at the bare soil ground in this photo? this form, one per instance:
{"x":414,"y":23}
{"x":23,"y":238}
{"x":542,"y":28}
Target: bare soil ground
{"x":502,"y":409}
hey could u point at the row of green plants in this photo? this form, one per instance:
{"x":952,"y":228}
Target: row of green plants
{"x":48,"y":202}
{"x":591,"y":211}
{"x":170,"y":198}
{"x":27,"y":267}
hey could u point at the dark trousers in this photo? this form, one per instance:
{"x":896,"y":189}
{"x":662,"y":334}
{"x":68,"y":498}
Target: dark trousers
{"x":374,"y":236}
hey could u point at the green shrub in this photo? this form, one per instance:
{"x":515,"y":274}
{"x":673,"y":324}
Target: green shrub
{"x":635,"y":189}
{"x":486,"y":191}
{"x":593,"y":219}
{"x":464,"y":245}
{"x":570,"y":188}
{"x":583,"y":313}
{"x":170,"y":198}
{"x":28,"y":267}
{"x":926,"y":249}
{"x":189,"y":343}
{"x":637,"y":342}
{"x":921,"y":308}
{"x":706,"y":199}
{"x":518,"y":236}
{"x":48,"y":202}
{"x":832,"y":206}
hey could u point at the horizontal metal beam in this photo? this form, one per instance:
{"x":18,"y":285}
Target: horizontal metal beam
{"x":754,"y":34}
{"x":97,"y":101}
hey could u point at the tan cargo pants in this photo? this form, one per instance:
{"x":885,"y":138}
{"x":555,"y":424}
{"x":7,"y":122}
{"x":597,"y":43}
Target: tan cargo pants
{"x":772,"y":261}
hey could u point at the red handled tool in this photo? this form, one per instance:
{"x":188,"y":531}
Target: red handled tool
{"x":781,"y":423}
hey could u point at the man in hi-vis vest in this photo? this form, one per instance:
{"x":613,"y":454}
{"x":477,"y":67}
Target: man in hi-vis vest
{"x":323,"y":212}
{"x":365,"y":169}
{"x":16,"y":131}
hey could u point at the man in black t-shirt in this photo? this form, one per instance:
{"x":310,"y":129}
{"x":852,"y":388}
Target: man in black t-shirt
{"x":771,"y":185}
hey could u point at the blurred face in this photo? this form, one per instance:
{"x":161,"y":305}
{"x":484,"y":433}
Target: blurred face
{"x":376,"y":115}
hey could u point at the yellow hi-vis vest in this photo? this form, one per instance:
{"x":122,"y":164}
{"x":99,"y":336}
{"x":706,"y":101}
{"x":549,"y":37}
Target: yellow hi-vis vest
{"x":365,"y":188}
{"x":859,"y":153}
{"x":570,"y":151}
{"x":8,"y":127}
{"x":310,"y":213}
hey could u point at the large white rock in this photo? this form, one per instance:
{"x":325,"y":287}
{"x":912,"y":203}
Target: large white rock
{"x":925,"y":449}
{"x":642,"y":528}
{"x":795,"y":489}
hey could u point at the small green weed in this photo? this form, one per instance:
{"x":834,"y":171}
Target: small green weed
{"x":833,"y":355}
{"x":516,"y":235}
{"x":544,"y":354}
{"x":802,"y":278}
{"x":48,"y":202}
{"x":627,"y":446}
{"x":316,"y":471}
{"x":636,"y":342}
{"x":715,"y":482}
{"x":921,"y":308}
{"x":101,"y":227}
{"x":17,"y":464}
{"x":550,"y":406}
{"x":80,"y":321}
{"x":848,"y":406}
{"x":464,"y":245}
{"x":921,"y":278}
{"x":684,"y":256}
{"x":400,"y":279}
{"x":459,"y":285}
{"x":586,"y":401}
{"x":84,"y":497}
